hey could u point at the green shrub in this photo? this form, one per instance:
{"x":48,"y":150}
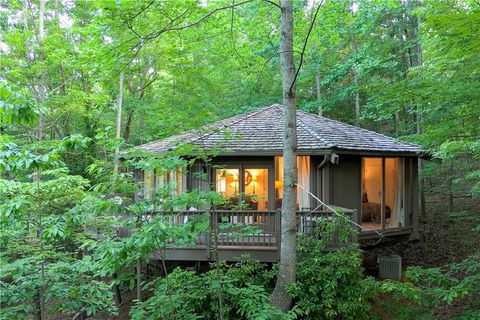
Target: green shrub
{"x":331,"y":285}
{"x":429,"y":288}
{"x":243,"y":289}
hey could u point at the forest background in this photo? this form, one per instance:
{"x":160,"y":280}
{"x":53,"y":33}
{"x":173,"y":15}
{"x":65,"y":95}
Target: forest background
{"x":408,"y":69}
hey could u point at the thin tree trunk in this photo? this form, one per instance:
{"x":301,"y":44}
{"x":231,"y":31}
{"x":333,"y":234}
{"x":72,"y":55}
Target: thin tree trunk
{"x":397,"y":124}
{"x":38,"y":304}
{"x":41,"y":85}
{"x":217,"y":265}
{"x":357,"y":98}
{"x":450,"y":189}
{"x":421,"y":180}
{"x":25,"y":17}
{"x":355,"y":79}
{"x":288,"y":256}
{"x":139,"y":280}
{"x":117,"y":291}
{"x":39,"y":295}
{"x":142,"y":127}
{"x":319,"y":93}
{"x":128,"y":125}
{"x":118,"y":127}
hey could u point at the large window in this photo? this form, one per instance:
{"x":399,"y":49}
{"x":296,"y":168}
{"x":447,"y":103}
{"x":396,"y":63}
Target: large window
{"x":228,"y":182}
{"x":382,"y":193}
{"x":245,"y":187}
{"x":159,"y":183}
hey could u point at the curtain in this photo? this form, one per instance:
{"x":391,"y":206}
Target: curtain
{"x":303,"y":165}
{"x":399,"y":198}
{"x":181,"y":178}
{"x":148,"y":184}
{"x":303,"y":175}
{"x":397,"y":216}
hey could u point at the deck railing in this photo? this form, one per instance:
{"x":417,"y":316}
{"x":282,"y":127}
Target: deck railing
{"x":251,"y":228}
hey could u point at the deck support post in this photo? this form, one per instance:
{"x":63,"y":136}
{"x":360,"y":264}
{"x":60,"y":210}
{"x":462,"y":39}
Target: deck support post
{"x":211,"y":233}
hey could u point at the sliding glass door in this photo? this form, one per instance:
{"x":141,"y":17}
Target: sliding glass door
{"x":256,"y":188}
{"x":382,"y":193}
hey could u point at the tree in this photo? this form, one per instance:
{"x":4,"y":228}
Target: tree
{"x":41,"y":85}
{"x":288,"y":255}
{"x":118,"y":124}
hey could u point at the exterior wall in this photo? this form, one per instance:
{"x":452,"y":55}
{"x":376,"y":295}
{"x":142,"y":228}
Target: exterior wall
{"x":346,"y":188}
{"x":339,"y":184}
{"x":316,"y":181}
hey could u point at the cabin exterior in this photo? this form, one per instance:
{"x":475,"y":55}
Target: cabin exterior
{"x":371,"y":176}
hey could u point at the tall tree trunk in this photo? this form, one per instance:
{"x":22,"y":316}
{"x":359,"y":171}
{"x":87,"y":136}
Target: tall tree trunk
{"x":42,"y":83}
{"x":357,"y":98}
{"x":39,"y":294}
{"x":25,"y":16}
{"x":116,"y":290}
{"x":141,"y":92}
{"x":397,"y":124}
{"x":355,"y":77}
{"x":421,"y":180}
{"x":450,"y":188}
{"x":118,"y":127}
{"x":139,"y":279}
{"x":128,"y":125}
{"x":319,"y":92}
{"x":288,"y":257}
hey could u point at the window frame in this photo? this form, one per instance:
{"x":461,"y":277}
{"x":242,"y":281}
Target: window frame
{"x":241,"y":179}
{"x":406,"y":222}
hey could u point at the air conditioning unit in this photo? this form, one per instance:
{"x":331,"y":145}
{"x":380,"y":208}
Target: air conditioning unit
{"x":390,"y":267}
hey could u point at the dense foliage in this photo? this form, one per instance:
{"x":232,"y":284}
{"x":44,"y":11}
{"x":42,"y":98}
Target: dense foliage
{"x":409,"y":69}
{"x":329,"y":285}
{"x":187,"y":295}
{"x":429,"y":288}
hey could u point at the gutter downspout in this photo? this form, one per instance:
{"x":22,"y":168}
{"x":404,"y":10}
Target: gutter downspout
{"x":325,"y":185}
{"x":323,"y":164}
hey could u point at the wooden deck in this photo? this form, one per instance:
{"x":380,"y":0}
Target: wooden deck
{"x":235,"y":233}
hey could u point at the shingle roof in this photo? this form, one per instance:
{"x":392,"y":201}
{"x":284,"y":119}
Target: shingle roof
{"x":261,"y":131}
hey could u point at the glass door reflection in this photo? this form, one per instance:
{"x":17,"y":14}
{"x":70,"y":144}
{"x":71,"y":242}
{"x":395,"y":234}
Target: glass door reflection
{"x":256,"y":188}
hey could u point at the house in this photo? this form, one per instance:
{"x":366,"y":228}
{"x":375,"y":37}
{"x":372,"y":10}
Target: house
{"x":373,"y":176}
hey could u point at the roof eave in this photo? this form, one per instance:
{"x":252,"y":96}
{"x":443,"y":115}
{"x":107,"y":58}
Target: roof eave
{"x":379,"y":153}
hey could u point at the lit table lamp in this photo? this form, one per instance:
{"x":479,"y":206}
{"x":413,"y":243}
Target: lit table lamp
{"x":235,"y":181}
{"x":278,"y":186}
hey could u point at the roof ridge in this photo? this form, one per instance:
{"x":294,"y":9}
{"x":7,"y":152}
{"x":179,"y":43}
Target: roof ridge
{"x":359,"y":128}
{"x":243,"y":117}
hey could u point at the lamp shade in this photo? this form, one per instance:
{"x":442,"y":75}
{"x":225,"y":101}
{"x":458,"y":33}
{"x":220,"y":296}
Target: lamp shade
{"x":278,"y":184}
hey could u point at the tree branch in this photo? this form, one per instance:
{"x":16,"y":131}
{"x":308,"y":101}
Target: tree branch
{"x":305,"y":45}
{"x":231,"y":32}
{"x":171,"y":26}
{"x":273,"y":4}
